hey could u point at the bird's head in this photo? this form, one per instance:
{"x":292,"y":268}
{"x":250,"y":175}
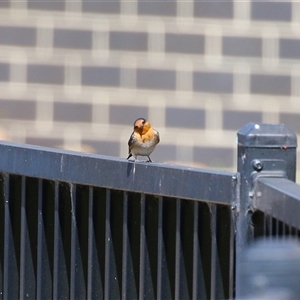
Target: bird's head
{"x":141,"y":126}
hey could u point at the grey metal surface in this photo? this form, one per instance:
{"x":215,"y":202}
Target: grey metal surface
{"x":111,"y":172}
{"x":279,"y":198}
{"x":271,"y":274}
{"x":271,"y":270}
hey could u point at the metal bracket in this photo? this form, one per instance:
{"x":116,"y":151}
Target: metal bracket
{"x":266,"y":168}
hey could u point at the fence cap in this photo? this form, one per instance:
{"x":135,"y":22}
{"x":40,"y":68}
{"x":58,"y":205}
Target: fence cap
{"x":259,"y":135}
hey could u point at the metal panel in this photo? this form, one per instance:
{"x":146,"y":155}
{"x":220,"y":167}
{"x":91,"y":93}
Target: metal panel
{"x":113,"y":229}
{"x":112,"y":172}
{"x":102,"y":243}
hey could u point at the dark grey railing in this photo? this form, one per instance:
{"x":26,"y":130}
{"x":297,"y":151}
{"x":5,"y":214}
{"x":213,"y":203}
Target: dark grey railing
{"x":85,"y":226}
{"x":80,"y":226}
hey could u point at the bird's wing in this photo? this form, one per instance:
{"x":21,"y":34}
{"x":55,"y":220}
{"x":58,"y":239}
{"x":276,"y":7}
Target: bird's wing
{"x":134,"y":138}
{"x":157,"y":136}
{"x":131,"y":141}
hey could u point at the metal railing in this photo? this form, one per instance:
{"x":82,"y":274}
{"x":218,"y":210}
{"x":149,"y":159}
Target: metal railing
{"x":84,"y":226}
{"x":80,"y":226}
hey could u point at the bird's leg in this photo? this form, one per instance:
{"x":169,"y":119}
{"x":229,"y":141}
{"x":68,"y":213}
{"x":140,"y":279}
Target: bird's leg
{"x":149,"y":159}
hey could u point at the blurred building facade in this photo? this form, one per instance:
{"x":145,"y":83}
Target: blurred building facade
{"x":77,"y":74}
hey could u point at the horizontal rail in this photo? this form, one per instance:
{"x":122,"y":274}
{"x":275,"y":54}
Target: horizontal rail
{"x":279,"y":198}
{"x":115,"y":173}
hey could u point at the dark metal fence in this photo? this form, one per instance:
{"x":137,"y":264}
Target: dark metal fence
{"x":90,"y":227}
{"x":79,"y":226}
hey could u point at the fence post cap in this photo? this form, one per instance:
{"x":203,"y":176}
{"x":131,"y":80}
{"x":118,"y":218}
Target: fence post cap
{"x":260,"y":135}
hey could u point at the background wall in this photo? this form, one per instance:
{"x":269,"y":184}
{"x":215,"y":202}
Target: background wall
{"x":77,"y":74}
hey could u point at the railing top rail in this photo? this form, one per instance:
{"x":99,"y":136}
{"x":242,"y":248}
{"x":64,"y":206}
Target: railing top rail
{"x":279,"y":198}
{"x":111,"y":172}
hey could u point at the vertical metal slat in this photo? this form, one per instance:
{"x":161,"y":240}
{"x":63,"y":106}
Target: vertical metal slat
{"x":91,"y":248}
{"x":24,"y":232}
{"x":142,"y":249}
{"x":40,"y":244}
{"x":213,"y":226}
{"x":181,"y":289}
{"x":125,"y":247}
{"x":60,"y":279}
{"x":111,"y":288}
{"x":160,"y":250}
{"x":272,"y":227}
{"x":276,"y":228}
{"x":163,"y":275}
{"x":27,"y":228}
{"x":265,"y":231}
{"x":231,"y":255}
{"x":108,"y":247}
{"x":198,"y":291}
{"x":44,"y":279}
{"x":73,"y":254}
{"x":27,"y":278}
{"x":129,"y":290}
{"x":56,"y":241}
{"x":77,"y":281}
{"x":10,"y":268}
{"x":94,"y":284}
{"x":177,"y":249}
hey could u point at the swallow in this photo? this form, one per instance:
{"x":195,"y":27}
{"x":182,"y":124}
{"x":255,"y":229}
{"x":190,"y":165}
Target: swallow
{"x":143,"y":140}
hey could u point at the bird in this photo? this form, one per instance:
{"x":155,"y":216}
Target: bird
{"x":143,"y":139}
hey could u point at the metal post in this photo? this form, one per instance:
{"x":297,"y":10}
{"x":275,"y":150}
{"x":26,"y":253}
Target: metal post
{"x":263,"y":150}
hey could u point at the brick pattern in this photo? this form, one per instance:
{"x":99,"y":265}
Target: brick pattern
{"x":77,"y":74}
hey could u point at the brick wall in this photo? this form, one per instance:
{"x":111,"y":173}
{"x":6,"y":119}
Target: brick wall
{"x":77,"y":74}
